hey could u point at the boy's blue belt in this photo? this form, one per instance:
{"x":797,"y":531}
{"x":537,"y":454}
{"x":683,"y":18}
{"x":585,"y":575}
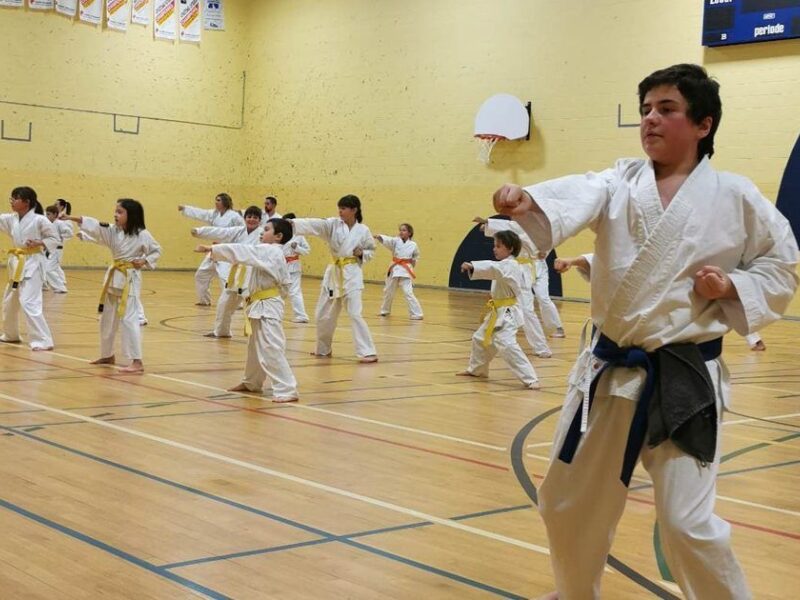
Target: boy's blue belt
{"x":631,"y":357}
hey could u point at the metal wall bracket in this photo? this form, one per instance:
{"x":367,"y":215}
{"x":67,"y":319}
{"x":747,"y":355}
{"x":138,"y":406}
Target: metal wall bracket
{"x":3,"y":135}
{"x":118,"y":129}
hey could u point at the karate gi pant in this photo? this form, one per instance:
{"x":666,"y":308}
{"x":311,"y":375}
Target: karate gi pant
{"x":327,"y":314}
{"x":504,"y":343}
{"x":226,"y":305}
{"x":295,"y":297}
{"x":541,"y":289}
{"x":266,"y":360}
{"x":405,"y":285}
{"x":205,"y":274}
{"x":28,"y":297}
{"x":582,"y":502}
{"x":531,"y":325}
{"x":54,"y":276}
{"x":130,"y":334}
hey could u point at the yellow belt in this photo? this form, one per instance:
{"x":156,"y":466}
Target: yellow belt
{"x":122,"y":266}
{"x":20,"y":253}
{"x":339,"y":263}
{"x":236,"y":276}
{"x":491,"y":307}
{"x":255,"y":297}
{"x":523,"y":261}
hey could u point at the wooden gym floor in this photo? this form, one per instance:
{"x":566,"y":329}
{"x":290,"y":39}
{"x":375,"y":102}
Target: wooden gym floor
{"x":394,"y":480}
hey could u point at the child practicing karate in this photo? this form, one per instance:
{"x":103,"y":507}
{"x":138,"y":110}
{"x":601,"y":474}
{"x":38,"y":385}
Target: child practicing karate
{"x":54,"y":278}
{"x":132,"y":249}
{"x":293,"y":251}
{"x":351,"y":245}
{"x":267,"y":368}
{"x":683,"y":253}
{"x":405,"y":255}
{"x":531,"y":324}
{"x":32,"y":235}
{"x":235,"y":285}
{"x":503,"y":315}
{"x":222,"y":215}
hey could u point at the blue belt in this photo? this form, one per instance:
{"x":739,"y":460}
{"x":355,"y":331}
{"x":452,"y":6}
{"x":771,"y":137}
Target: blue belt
{"x":630,"y":357}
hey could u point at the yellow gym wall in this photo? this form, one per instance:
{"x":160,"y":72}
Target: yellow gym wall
{"x":375,"y":98}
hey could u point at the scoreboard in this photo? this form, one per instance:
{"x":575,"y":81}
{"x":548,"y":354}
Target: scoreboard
{"x":728,"y":22}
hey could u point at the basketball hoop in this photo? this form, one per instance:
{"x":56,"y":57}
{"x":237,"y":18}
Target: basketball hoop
{"x":486,"y":142}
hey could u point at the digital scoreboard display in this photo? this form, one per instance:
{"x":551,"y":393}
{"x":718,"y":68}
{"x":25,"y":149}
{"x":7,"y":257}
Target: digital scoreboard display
{"x":728,"y":22}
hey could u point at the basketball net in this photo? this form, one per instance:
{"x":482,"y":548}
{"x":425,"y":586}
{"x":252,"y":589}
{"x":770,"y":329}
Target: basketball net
{"x":486,"y":142}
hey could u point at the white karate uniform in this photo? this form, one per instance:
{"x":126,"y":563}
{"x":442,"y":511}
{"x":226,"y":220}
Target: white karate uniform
{"x":541,"y":292}
{"x":54,"y":277}
{"x":508,"y":281}
{"x":292,"y":251}
{"x":266,"y":349}
{"x":207,"y":270}
{"x":530,"y":325}
{"x":123,"y":248}
{"x":28,"y":295}
{"x":229,"y":298}
{"x":399,"y":276}
{"x":275,"y":215}
{"x":642,"y":284}
{"x":341,"y":284}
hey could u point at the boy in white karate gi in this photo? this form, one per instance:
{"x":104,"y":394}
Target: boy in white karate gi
{"x":32,"y":235}
{"x":222,"y":215}
{"x":351,"y":245}
{"x":54,"y":277}
{"x":132,"y":248}
{"x":531,"y":325}
{"x":498,"y":332}
{"x":235,"y":288}
{"x":266,"y":349}
{"x":683,"y":253}
{"x":405,"y":255}
{"x":293,"y":251}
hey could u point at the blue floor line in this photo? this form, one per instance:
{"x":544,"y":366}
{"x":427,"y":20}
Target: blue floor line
{"x":208,"y":592}
{"x":274,"y":517}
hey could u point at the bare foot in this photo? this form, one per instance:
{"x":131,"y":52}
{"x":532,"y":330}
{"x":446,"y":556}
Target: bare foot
{"x":466,"y":373}
{"x":368,"y":359}
{"x":533,"y":386}
{"x":132,"y":369}
{"x":239,"y":388}
{"x":45,"y":349}
{"x":285,"y":399}
{"x":108,"y":360}
{"x":5,"y":341}
{"x":759,"y":346}
{"x":318,"y":355}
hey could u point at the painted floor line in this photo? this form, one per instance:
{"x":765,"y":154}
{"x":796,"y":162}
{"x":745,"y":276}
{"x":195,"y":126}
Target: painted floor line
{"x":292,"y":478}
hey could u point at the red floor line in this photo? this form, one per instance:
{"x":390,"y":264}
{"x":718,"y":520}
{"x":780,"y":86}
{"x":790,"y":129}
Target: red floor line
{"x":258,"y":411}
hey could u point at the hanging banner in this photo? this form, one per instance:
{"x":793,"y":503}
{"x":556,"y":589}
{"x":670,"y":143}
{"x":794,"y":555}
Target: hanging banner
{"x":67,"y":7}
{"x":14,"y":3}
{"x":141,"y":12}
{"x":213,"y":15}
{"x":164,"y":20}
{"x":91,"y":11}
{"x":118,"y":14}
{"x":41,"y":4}
{"x":190,"y":20}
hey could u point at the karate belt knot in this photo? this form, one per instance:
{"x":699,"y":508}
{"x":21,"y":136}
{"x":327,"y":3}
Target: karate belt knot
{"x":339,"y":263}
{"x":402,"y":262}
{"x":660,"y":411}
{"x":523,"y":260}
{"x":264,"y":294}
{"x":21,"y":254}
{"x":292,"y":258}
{"x":236,"y":278}
{"x":123,"y":266}
{"x":491,"y":309}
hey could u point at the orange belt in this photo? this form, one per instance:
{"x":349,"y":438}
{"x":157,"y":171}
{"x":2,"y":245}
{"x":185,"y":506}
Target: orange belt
{"x":291,"y":259}
{"x":402,"y":262}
